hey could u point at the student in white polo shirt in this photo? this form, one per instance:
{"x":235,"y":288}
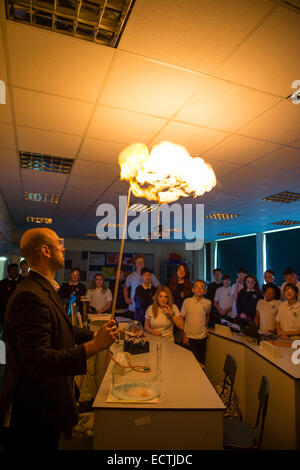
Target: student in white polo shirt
{"x":290,"y":277}
{"x":288,"y":317}
{"x":267,"y":308}
{"x":223,"y":297}
{"x":195,"y":311}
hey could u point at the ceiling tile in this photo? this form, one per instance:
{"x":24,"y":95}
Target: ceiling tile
{"x":8,"y":172}
{"x":83,"y":182}
{"x":9,"y":158}
{"x":48,"y":143}
{"x":78,"y":195}
{"x":58,"y":64}
{"x":121,"y":126}
{"x":3,"y":72}
{"x":268,"y":59}
{"x":225,"y":106}
{"x":95,"y":169}
{"x":221,"y":168}
{"x":100,"y":151}
{"x":137,"y":84}
{"x":283,"y":159}
{"x":240,"y":149}
{"x":5,"y":109}
{"x":43,"y":182}
{"x":190,"y":33}
{"x":7,"y":137}
{"x":295,"y":143}
{"x":280,"y":124}
{"x":248,"y":175}
{"x":51,"y":112}
{"x":196,"y":139}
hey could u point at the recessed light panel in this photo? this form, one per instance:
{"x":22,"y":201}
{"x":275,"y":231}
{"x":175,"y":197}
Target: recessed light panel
{"x":37,"y":197}
{"x":38,"y":220}
{"x":285,"y":197}
{"x":225,"y":234}
{"x":221,"y":216}
{"x":286,"y":222}
{"x":99,"y":21}
{"x":40,"y":162}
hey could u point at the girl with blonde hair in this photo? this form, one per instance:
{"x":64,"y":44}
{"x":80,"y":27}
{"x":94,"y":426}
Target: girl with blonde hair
{"x":161,"y":316}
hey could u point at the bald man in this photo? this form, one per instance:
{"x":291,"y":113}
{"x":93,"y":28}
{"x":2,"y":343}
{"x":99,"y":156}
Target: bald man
{"x":44,"y":350}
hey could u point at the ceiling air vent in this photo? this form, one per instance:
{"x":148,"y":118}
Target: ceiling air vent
{"x":100,"y":21}
{"x":39,"y":162}
{"x":284,"y":197}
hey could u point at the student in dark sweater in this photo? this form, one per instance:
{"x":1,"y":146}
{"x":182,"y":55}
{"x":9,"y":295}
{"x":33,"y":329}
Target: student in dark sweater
{"x":248,"y":298}
{"x":73,"y":287}
{"x":143,"y":296}
{"x":7,"y":287}
{"x":210,"y":295}
{"x":181,"y":288}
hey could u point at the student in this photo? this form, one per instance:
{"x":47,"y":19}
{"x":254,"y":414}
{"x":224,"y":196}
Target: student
{"x":223,"y":297}
{"x":73,"y":287}
{"x":99,"y":296}
{"x":290,"y":277}
{"x":236,"y":288}
{"x":248,"y":298}
{"x":181,"y":285}
{"x":160,"y":316}
{"x":181,"y":288}
{"x":210,"y":294}
{"x":133,"y":280}
{"x":269,"y":277}
{"x":195,"y":312}
{"x":144,"y":294}
{"x":7,"y":287}
{"x":267,"y":309}
{"x":24,"y":269}
{"x":121,"y":305}
{"x":288,"y":317}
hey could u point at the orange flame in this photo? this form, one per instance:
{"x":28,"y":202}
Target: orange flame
{"x":166,"y":174}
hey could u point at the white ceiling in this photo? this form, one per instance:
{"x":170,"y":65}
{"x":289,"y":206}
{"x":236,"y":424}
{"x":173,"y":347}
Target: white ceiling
{"x":210,"y":75}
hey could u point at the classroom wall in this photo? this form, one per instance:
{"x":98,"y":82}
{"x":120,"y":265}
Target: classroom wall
{"x":160,"y":250}
{"x":6,"y":225}
{"x":283,"y":251}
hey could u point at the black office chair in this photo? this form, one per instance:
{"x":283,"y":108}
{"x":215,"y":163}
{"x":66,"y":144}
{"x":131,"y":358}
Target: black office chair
{"x":230,"y":367}
{"x":239,"y":434}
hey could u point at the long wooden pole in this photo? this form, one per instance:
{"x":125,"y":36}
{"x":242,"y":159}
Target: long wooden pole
{"x":120,"y":258}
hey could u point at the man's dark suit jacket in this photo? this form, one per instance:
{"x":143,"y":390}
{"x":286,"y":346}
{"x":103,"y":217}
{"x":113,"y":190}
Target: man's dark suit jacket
{"x":42,"y":356}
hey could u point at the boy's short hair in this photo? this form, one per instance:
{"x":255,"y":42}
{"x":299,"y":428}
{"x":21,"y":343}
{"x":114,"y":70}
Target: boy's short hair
{"x":289,"y":285}
{"x":217,"y":269}
{"x":271,"y":285}
{"x":138,"y":257}
{"x":75,"y":269}
{"x":226,"y":276}
{"x":146,"y":270}
{"x":270,"y":271}
{"x":242,"y":270}
{"x":12,"y":265}
{"x":199,"y":280}
{"x":23,"y":261}
{"x":289,"y":271}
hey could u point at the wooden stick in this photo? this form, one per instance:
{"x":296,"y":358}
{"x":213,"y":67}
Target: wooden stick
{"x":120,"y":259}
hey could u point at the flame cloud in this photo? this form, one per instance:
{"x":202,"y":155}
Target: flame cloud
{"x":165,"y":174}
